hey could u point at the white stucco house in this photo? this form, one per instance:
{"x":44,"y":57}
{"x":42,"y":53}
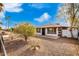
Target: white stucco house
{"x":55,"y":30}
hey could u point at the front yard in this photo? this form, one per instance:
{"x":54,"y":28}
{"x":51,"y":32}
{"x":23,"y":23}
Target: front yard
{"x":48,"y":47}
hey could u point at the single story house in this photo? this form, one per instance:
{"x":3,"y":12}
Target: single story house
{"x":54,"y":30}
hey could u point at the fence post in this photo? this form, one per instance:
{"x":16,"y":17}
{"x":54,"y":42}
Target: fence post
{"x":2,"y":45}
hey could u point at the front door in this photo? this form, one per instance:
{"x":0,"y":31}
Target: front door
{"x":43,"y":31}
{"x":60,"y":32}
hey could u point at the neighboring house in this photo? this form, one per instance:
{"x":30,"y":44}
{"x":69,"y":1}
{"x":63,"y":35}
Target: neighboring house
{"x":54,"y":30}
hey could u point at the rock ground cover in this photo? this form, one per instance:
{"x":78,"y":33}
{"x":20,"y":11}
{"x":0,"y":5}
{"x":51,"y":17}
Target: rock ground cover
{"x":47,"y":47}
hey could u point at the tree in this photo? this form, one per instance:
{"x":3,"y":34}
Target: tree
{"x":25,"y":29}
{"x":0,"y":25}
{"x":0,"y":28}
{"x":1,"y":7}
{"x":11,"y":29}
{"x":70,"y":13}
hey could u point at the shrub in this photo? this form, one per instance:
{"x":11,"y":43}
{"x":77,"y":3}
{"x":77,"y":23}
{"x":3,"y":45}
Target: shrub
{"x":25,"y":29}
{"x":11,"y":29}
{"x":0,"y":28}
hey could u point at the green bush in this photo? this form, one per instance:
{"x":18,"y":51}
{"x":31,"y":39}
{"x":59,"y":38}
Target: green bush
{"x":25,"y":29}
{"x":11,"y":29}
{"x":0,"y":28}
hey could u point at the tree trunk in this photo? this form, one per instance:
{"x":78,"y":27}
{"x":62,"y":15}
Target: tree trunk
{"x":78,"y":35}
{"x":26,"y":38}
{"x":71,"y":31}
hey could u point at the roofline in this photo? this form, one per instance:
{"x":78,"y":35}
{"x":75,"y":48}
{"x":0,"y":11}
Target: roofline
{"x":51,"y":26}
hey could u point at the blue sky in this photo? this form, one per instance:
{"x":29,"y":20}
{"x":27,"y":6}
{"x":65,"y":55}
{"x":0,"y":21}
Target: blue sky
{"x":37,"y":14}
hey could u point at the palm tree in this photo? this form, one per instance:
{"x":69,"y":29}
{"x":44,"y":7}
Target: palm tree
{"x":1,"y":7}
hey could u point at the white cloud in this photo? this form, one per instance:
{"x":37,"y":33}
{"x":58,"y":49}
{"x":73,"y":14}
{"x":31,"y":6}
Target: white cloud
{"x":16,"y":7}
{"x":43,"y":18}
{"x":39,"y":5}
{"x":10,"y":7}
{"x":3,"y":26}
{"x":2,"y":15}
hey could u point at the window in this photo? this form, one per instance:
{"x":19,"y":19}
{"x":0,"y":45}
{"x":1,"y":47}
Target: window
{"x":64,"y":28}
{"x":38,"y":30}
{"x":51,"y":30}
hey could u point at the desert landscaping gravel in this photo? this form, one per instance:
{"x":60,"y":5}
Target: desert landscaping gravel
{"x":48,"y":47}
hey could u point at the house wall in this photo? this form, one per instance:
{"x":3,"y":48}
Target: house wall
{"x":52,"y":34}
{"x":39,"y":33}
{"x":66,"y":33}
{"x":47,"y":33}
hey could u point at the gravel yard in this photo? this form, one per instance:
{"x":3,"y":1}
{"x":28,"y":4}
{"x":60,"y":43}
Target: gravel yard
{"x":48,"y":47}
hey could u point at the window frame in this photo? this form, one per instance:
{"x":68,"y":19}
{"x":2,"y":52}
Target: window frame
{"x":38,"y":30}
{"x":53,"y":31}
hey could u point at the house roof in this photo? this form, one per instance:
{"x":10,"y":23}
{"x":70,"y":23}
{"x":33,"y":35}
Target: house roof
{"x":51,"y":25}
